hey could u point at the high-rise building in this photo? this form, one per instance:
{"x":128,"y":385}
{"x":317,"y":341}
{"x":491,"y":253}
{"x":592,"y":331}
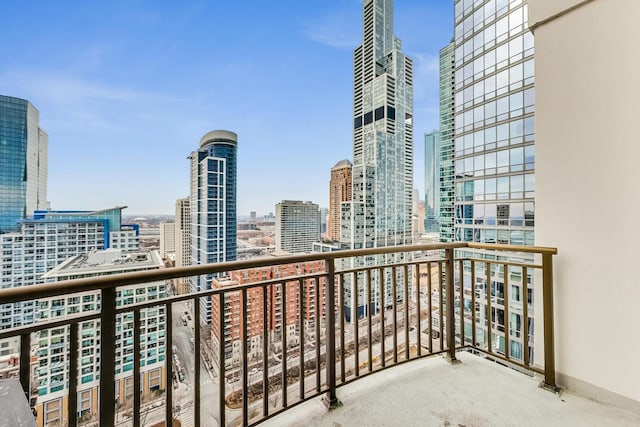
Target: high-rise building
{"x":183,"y":242}
{"x":232,"y":310}
{"x":23,"y":162}
{"x":418,"y":221}
{"x":213,"y":207}
{"x":339,"y":191}
{"x":432,"y":161}
{"x":297,"y":226}
{"x":53,"y":355}
{"x":167,"y":238}
{"x":493,"y":86}
{"x":494,"y":122}
{"x":447,"y":103}
{"x":46,"y":240}
{"x":380,"y":213}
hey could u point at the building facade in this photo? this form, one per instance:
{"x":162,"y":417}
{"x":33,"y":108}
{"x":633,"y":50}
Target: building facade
{"x":213,"y":207}
{"x":432,"y":161}
{"x":493,"y":87}
{"x":23,"y":162}
{"x":339,"y":191}
{"x":297,"y":226}
{"x":380,"y":213}
{"x":47,"y":240}
{"x":53,"y":358}
{"x":182,"y":242}
{"x":282,"y":321}
{"x":447,"y":104}
{"x":494,"y":122}
{"x":167,"y":239}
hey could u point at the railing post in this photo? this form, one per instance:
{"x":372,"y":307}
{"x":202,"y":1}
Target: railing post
{"x":25,"y":365}
{"x":549,"y":342}
{"x":107,"y":357}
{"x":331,"y":400}
{"x":451,"y":316}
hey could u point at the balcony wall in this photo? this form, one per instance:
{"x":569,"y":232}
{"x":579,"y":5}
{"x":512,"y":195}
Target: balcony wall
{"x":587,"y":174}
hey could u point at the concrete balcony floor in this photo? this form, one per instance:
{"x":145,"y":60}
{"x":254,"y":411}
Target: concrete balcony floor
{"x":431,"y":392}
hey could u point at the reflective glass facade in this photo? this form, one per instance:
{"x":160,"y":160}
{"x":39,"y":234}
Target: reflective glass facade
{"x":432,"y":181}
{"x":494,"y":161}
{"x":494,"y":122}
{"x":23,"y":162}
{"x":446,"y":217}
{"x":213,"y":207}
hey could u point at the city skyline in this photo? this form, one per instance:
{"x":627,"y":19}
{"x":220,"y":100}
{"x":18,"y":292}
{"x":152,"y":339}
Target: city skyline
{"x":134,"y":88}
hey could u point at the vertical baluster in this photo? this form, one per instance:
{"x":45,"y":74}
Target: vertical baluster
{"x":197,"y":358}
{"x":265,"y":353}
{"x":342,"y":331}
{"x":222,"y":377}
{"x":451,"y":317}
{"x":381,"y":307}
{"x":73,"y":374}
{"x":136,"y":368}
{"x":168,"y":333}
{"x":407,"y":353}
{"x":331,"y":397}
{"x":245,"y":359}
{"x":418,"y":309}
{"x":107,"y":357}
{"x":369,"y":321}
{"x":301,"y":297}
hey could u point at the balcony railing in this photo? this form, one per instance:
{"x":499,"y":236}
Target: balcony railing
{"x":296,"y":337}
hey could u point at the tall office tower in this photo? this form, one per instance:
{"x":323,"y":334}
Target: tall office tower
{"x":494,"y":122}
{"x":48,"y":239}
{"x":297,"y":226}
{"x":23,"y":162}
{"x":167,"y":238}
{"x":53,"y":355}
{"x":432,"y":161}
{"x":183,"y":242}
{"x":213,"y":207}
{"x":380,"y":213}
{"x":447,"y":187}
{"x":494,"y":151}
{"x":339,"y":191}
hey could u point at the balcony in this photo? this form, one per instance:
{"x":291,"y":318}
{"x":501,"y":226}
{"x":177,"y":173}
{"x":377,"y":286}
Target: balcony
{"x":385,"y":329}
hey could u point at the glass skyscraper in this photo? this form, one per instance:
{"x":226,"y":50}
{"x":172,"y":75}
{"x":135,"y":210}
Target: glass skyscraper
{"x":23,"y":162}
{"x":447,"y":188}
{"x":494,"y":122}
{"x":493,"y":87}
{"x":380,"y":214}
{"x":213,"y":207}
{"x":432,"y":182}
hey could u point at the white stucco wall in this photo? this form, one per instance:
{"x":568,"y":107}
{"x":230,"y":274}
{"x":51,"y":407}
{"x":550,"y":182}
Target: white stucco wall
{"x":588,"y":188}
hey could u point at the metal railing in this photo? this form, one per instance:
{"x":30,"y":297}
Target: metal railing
{"x":316,"y":330}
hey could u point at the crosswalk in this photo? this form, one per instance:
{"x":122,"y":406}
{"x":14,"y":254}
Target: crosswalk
{"x":186,"y":418}
{"x":203,"y":382}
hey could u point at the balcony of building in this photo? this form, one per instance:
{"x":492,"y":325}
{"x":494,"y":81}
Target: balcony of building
{"x":463,"y":338}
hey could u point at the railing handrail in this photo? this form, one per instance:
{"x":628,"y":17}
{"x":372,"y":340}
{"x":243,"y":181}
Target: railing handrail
{"x":47,"y":290}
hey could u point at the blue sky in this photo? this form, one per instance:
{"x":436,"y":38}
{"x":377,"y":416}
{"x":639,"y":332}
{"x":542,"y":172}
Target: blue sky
{"x":126,"y":89}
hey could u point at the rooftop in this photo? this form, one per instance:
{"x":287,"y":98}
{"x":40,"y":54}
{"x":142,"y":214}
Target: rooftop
{"x":104,"y":262}
{"x":432,"y":392}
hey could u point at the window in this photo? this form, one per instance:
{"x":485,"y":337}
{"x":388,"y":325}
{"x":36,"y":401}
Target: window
{"x":53,"y":412}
